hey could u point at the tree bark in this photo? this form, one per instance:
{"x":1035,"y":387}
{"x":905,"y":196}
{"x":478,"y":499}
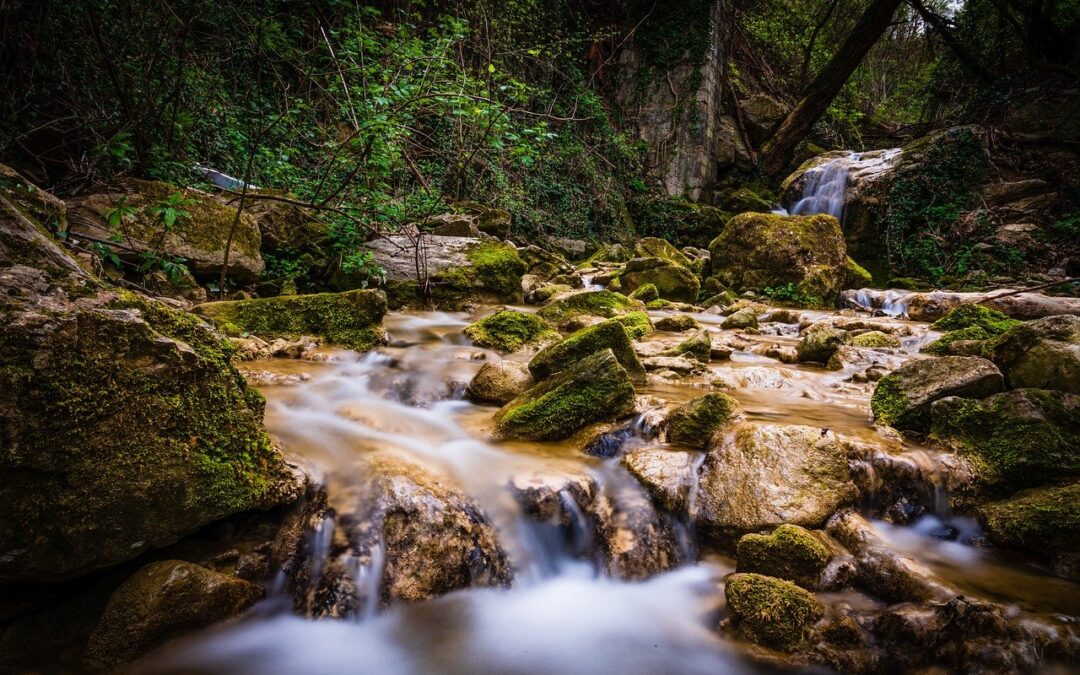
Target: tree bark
{"x":778,"y":150}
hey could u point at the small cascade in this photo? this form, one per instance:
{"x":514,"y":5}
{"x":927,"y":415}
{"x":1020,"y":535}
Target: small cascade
{"x":824,"y":188}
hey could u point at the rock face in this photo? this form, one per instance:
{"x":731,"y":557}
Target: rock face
{"x":566,"y":355}
{"x":352,"y":319}
{"x":694,"y":422}
{"x":933,"y":306}
{"x":509,"y":331}
{"x":1044,"y":354}
{"x":759,"y":476}
{"x":500,"y":382}
{"x":460,"y":270}
{"x":770,"y":611}
{"x":671,"y":280}
{"x":1016,"y":439}
{"x":902,"y":398}
{"x":596,"y":388}
{"x":162,"y":601}
{"x":761,"y":250}
{"x":790,"y":552}
{"x":199,"y":239}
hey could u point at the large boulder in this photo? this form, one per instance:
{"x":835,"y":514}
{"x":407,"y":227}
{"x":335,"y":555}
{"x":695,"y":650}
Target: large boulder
{"x":771,"y":611}
{"x":604,"y":304}
{"x":162,"y":601}
{"x":759,"y":476}
{"x":1045,"y":520}
{"x":654,"y":247}
{"x":286,"y":227}
{"x":509,"y":331}
{"x":123,"y":424}
{"x":758,"y":251}
{"x":352,"y":319}
{"x":1016,"y":439}
{"x":596,"y":388}
{"x":671,"y":280}
{"x":459,"y":270}
{"x":693,"y":423}
{"x":198,"y":234}
{"x":902,"y":398}
{"x":565,"y":355}
{"x":1044,"y":353}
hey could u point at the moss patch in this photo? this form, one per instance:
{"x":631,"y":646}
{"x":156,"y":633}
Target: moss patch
{"x":637,"y":324}
{"x":694,"y":422}
{"x":677,"y":323}
{"x":645,"y":293}
{"x":875,"y":339}
{"x":771,"y":611}
{"x":697,"y":345}
{"x":1046,"y":520}
{"x":855,"y":275}
{"x":968,"y":322}
{"x":606,"y":304}
{"x":790,"y":552}
{"x":567,"y":354}
{"x":509,"y":331}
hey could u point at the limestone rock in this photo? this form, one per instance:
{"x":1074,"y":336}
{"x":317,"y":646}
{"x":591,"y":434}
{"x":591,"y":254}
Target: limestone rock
{"x":668,"y":475}
{"x":1044,"y":354}
{"x":902,"y":398}
{"x":741,"y":319}
{"x":500,"y":382}
{"x":677,"y":323}
{"x":565,"y":355}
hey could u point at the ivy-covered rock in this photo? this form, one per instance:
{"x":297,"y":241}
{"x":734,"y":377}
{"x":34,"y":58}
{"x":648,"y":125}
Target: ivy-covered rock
{"x":771,"y":611}
{"x":671,"y":280}
{"x":352,"y":319}
{"x":509,"y":331}
{"x":902,"y":398}
{"x":500,"y":382}
{"x":605,"y":304}
{"x":198,"y":235}
{"x":1044,"y":520}
{"x":757,"y":251}
{"x":565,"y":355}
{"x":818,"y":346}
{"x":677,"y":323}
{"x":1016,"y":439}
{"x":694,"y":422}
{"x":790,"y":552}
{"x":1044,"y":353}
{"x":597,"y":388}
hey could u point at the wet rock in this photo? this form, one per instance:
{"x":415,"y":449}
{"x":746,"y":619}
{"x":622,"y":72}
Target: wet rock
{"x":933,"y":306}
{"x":605,"y":304}
{"x":790,"y":552}
{"x":786,"y":316}
{"x":698,"y":346}
{"x":1044,"y":520}
{"x":566,"y":355}
{"x":352,"y":319}
{"x":1015,"y":439}
{"x":819,"y":345}
{"x":902,"y":399}
{"x":875,"y":339}
{"x":677,"y":364}
{"x":635,"y":542}
{"x":293,"y":349}
{"x":596,"y":388}
{"x":250,"y":348}
{"x":782,"y":353}
{"x":500,"y":382}
{"x":655,"y":247}
{"x":268,"y":378}
{"x":162,"y":601}
{"x":694,"y":422}
{"x":637,"y":324}
{"x":671,"y":280}
{"x":509,"y":331}
{"x":744,"y":318}
{"x":771,"y":611}
{"x":759,"y":250}
{"x":759,"y":476}
{"x":1042,"y":354}
{"x":645,"y":293}
{"x":677,"y":323}
{"x":668,"y":475}
{"x":756,"y":377}
{"x":544,"y":495}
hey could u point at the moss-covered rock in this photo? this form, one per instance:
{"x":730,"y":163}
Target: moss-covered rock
{"x":902,"y":398}
{"x":567,"y":354}
{"x":694,"y":422}
{"x":757,"y":251}
{"x":509,"y":331}
{"x":682,"y":222}
{"x":1016,"y":439}
{"x":967,"y":323}
{"x":162,"y":601}
{"x":637,"y":324}
{"x":605,"y":304}
{"x":741,"y":319}
{"x":790,"y":552}
{"x":654,"y":247}
{"x":671,"y":280}
{"x":698,"y":345}
{"x":677,"y":323}
{"x":855,"y":276}
{"x":1045,"y":520}
{"x":875,"y":339}
{"x":771,"y":611}
{"x":352,"y":319}
{"x":818,"y":346}
{"x":744,"y":199}
{"x":645,"y":293}
{"x":1044,"y":353}
{"x":199,"y":238}
{"x":597,"y":388}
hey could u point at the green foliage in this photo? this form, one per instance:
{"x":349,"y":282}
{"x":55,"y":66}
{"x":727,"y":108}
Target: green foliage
{"x":789,"y":294}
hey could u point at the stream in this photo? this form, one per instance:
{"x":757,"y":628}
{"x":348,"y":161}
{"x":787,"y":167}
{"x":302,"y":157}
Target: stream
{"x":566,"y":611}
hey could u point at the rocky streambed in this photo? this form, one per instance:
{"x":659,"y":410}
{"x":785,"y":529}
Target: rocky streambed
{"x":728,"y":505}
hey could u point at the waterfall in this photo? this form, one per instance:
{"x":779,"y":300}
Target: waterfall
{"x":823,"y":188}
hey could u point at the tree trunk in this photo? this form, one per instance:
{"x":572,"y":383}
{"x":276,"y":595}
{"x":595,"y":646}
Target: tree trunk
{"x":779,"y":149}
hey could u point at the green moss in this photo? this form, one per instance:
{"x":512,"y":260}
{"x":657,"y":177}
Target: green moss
{"x":1046,"y":520}
{"x":970,"y":315}
{"x":658,"y":304}
{"x":671,"y":280}
{"x":595,"y":389}
{"x":855,"y":276}
{"x":771,"y":611}
{"x":655,"y":247}
{"x":509,"y":331}
{"x":875,"y":339}
{"x":1016,"y":439}
{"x":694,"y":422}
{"x":677,"y":220}
{"x":352,"y":319}
{"x":889,"y":403}
{"x":567,"y":354}
{"x":637,"y":324}
{"x":721,"y":300}
{"x":498,"y":269}
{"x":677,"y":323}
{"x":790,"y":552}
{"x":645,"y":293}
{"x":605,"y":304}
{"x":698,"y":346}
{"x":740,"y":319}
{"x":943,"y":345}
{"x":819,"y":345}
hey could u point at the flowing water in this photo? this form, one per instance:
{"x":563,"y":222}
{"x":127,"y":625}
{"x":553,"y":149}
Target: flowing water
{"x":566,"y":612}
